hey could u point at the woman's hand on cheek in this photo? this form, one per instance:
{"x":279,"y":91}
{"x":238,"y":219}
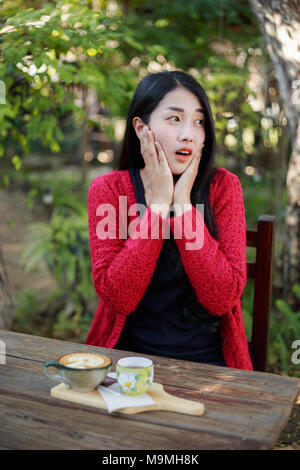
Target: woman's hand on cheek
{"x":183,"y":187}
{"x":157,"y":176}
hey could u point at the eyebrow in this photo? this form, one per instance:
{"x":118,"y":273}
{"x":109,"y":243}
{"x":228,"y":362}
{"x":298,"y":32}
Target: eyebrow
{"x":181,"y":110}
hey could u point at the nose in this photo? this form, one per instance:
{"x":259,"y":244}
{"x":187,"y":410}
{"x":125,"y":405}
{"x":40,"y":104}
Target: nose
{"x":186,"y":134}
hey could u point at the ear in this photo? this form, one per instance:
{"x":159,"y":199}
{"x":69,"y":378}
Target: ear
{"x":138,"y":125}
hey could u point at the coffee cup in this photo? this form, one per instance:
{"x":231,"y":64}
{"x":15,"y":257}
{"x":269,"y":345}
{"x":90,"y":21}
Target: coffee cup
{"x":134,"y":374}
{"x":82,"y":372}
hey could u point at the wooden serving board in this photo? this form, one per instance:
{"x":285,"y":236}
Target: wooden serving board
{"x":163,"y":401}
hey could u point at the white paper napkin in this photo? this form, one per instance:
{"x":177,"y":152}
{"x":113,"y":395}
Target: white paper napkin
{"x":115,"y":399}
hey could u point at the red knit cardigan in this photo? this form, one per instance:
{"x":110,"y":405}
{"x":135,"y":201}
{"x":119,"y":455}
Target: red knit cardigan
{"x":122,"y":267}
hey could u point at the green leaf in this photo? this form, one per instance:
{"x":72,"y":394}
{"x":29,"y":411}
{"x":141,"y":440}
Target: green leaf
{"x":283,"y":307}
{"x":16,"y":161}
{"x":133,"y":43}
{"x":296,"y":289}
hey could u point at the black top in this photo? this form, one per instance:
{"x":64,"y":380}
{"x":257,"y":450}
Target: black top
{"x":162,"y":323}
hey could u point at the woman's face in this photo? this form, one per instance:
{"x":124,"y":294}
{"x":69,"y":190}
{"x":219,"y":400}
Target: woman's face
{"x":178,"y":124}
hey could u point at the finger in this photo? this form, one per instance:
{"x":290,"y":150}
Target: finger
{"x":161,"y":154}
{"x":144,"y":141}
{"x":142,"y":134}
{"x":193,"y":165}
{"x":144,"y":144}
{"x":198,"y":156}
{"x":152,"y":149}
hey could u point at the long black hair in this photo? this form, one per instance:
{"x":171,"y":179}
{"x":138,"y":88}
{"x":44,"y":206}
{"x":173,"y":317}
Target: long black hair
{"x":149,"y":93}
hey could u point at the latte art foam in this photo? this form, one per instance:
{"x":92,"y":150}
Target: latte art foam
{"x":84,"y":360}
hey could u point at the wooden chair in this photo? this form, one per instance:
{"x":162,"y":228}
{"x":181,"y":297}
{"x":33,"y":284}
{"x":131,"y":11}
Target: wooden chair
{"x":261,"y":271}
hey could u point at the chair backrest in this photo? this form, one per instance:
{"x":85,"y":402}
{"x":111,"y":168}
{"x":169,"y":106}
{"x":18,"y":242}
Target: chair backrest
{"x":261,"y":271}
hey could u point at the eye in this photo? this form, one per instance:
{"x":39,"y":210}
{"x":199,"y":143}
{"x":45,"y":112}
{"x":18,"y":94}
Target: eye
{"x":173,"y":119}
{"x":199,"y":122}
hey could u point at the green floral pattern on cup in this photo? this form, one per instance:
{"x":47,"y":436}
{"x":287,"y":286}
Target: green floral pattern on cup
{"x":134,"y":381}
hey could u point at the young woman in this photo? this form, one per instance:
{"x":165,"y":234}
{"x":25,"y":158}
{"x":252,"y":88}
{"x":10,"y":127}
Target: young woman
{"x":157,"y":294}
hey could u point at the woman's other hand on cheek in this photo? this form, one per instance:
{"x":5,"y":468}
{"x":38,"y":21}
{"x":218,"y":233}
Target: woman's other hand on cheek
{"x":183,"y":187}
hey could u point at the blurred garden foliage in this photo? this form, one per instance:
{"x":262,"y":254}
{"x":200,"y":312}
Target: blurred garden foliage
{"x":52,"y":53}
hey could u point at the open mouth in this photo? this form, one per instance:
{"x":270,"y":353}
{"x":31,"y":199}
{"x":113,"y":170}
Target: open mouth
{"x":184,"y":153}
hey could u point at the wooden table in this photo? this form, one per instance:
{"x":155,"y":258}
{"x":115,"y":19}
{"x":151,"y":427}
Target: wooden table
{"x":243,"y":409}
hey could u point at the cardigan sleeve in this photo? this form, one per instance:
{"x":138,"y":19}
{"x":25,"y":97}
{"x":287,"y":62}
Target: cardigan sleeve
{"x":216,"y":268}
{"x":121,"y":267}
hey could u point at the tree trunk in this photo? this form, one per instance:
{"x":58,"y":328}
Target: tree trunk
{"x":7,"y":302}
{"x":90,"y":105}
{"x":279,"y":21}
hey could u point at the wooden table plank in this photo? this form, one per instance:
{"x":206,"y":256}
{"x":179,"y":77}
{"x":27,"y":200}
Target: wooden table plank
{"x":243,"y":409}
{"x":45,"y":429}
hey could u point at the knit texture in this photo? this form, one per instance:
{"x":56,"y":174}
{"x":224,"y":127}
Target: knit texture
{"x":122,"y":267}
